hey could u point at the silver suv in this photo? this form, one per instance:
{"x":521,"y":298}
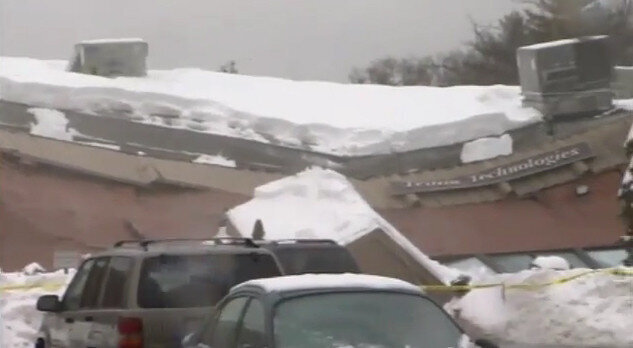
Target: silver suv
{"x":152,"y":293}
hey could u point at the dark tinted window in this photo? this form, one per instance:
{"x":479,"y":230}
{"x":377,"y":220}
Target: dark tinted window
{"x":512,"y":263}
{"x":72,"y":297}
{"x":116,"y":282}
{"x":362,"y":319}
{"x":609,"y":257}
{"x":94,"y":284}
{"x":302,"y":260}
{"x":179,"y":281}
{"x":252,"y":332}
{"x":223,"y":333}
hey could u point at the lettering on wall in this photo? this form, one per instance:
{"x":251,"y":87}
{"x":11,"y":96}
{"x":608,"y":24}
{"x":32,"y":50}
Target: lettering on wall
{"x":507,"y":172}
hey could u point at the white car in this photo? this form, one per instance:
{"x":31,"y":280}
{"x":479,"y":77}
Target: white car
{"x":328,"y":311}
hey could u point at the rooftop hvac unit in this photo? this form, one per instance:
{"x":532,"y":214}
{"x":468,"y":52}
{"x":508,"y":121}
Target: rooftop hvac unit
{"x":110,"y":58}
{"x":567,"y":77}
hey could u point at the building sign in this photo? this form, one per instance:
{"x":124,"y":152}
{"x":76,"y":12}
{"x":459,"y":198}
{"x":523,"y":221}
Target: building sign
{"x":507,"y":172}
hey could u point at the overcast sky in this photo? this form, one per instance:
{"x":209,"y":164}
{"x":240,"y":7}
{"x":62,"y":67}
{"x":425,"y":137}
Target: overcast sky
{"x":299,"y":39}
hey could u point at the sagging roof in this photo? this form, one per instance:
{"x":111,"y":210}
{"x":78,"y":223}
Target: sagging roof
{"x":328,"y":118}
{"x":599,"y":140}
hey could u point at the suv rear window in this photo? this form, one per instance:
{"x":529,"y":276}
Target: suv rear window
{"x":181,"y":281}
{"x":295,"y":260}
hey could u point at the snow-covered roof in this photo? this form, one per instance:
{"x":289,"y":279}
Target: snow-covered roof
{"x":329,"y":117}
{"x":107,"y":41}
{"x":327,"y":281}
{"x":561,"y":42}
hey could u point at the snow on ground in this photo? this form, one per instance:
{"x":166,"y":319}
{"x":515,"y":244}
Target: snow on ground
{"x":19,"y":320}
{"x":217,"y":160}
{"x":322,"y":204}
{"x":486,"y":148}
{"x":329,"y":117}
{"x":591,"y":311}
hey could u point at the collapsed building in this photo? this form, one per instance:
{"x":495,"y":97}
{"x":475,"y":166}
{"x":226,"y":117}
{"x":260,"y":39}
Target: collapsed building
{"x":88,"y":160}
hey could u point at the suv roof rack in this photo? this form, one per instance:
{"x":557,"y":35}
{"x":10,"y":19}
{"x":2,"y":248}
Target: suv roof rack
{"x":222,"y":241}
{"x":300,"y":241}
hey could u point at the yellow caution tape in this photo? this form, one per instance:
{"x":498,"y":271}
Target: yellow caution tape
{"x":526,"y":286}
{"x":43,"y":286}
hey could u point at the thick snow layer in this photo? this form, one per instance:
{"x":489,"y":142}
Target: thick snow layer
{"x":51,"y":124}
{"x":121,"y":40}
{"x":217,"y":160}
{"x":550,"y":262}
{"x":486,"y":148}
{"x":19,"y":320}
{"x":320,"y":281}
{"x":560,"y":42}
{"x":323,"y":204}
{"x":626,"y":104}
{"x":328,"y":117}
{"x":591,"y":311}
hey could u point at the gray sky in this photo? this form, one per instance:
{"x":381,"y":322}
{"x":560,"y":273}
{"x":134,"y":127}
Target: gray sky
{"x":299,"y":39}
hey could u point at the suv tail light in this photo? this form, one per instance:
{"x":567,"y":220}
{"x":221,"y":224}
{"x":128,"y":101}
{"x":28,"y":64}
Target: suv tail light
{"x":130,"y":332}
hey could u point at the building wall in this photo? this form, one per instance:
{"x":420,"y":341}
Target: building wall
{"x":623,"y":82}
{"x":43,"y":209}
{"x":552,"y":218}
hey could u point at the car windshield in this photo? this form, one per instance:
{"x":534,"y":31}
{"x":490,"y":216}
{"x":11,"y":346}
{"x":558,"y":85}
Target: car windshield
{"x":363,"y":319}
{"x":316,"y":260}
{"x":180,"y":281}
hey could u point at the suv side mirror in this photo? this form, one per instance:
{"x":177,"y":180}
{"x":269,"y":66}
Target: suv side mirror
{"x":49,"y":303}
{"x":484,"y":343}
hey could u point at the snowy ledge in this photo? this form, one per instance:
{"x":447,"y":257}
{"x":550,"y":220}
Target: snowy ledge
{"x":332,"y":118}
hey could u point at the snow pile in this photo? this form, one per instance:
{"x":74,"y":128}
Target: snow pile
{"x":486,"y":148}
{"x":51,"y":124}
{"x":217,"y":160}
{"x":320,"y":204}
{"x":595,"y":310}
{"x":19,"y":291}
{"x":328,"y":117}
{"x":550,"y":262}
{"x":329,"y":281}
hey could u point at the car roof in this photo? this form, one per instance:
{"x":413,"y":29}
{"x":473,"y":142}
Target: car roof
{"x":327,"y":282}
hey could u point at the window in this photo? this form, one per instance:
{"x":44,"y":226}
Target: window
{"x":72,"y":297}
{"x":512,"y":263}
{"x":225,"y":330}
{"x":471,"y":265}
{"x":182,"y":281}
{"x":608,"y":257}
{"x":114,"y":293}
{"x":252,"y":332}
{"x":335,"y":259}
{"x":94,"y":284}
{"x":363,"y":319}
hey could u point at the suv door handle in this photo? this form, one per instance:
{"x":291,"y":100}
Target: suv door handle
{"x":69,"y":320}
{"x":89,"y":318}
